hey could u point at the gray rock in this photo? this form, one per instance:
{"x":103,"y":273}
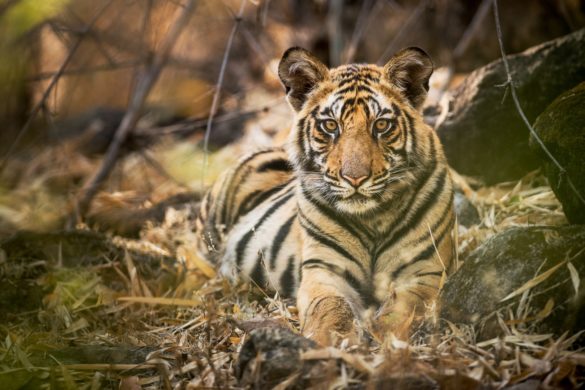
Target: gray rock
{"x":483,"y":135}
{"x":562,"y":129}
{"x":467,"y":214}
{"x":505,"y":263}
{"x":272,"y":355}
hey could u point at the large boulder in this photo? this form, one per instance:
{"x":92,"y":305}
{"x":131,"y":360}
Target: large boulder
{"x":562,"y":129}
{"x":483,"y":135}
{"x":532,"y":271}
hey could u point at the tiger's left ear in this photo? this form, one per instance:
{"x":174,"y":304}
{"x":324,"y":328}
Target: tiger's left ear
{"x":410,"y":70}
{"x":300,"y":72}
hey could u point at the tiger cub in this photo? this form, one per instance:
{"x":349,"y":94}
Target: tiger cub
{"x":355,"y":213}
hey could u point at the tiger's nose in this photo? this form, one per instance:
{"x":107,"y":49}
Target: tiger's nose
{"x":354,"y":181}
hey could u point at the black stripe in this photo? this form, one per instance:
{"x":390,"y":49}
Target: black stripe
{"x":405,"y":131}
{"x":410,"y":129}
{"x":364,"y":292}
{"x":354,"y":88}
{"x":366,"y":110}
{"x":229,"y":192}
{"x":391,"y":136}
{"x":425,"y":254}
{"x":280,"y":164}
{"x":434,"y":273}
{"x":249,"y":199}
{"x":258,"y":274}
{"x":335,"y":101}
{"x":287,"y":280}
{"x":328,"y":242}
{"x":336,"y":217}
{"x":384,"y":111}
{"x":279,"y":240}
{"x":300,"y":134}
{"x":397,"y":111}
{"x":426,"y":175}
{"x":255,"y":198}
{"x":243,"y":243}
{"x":412,"y":222}
{"x":318,"y":263}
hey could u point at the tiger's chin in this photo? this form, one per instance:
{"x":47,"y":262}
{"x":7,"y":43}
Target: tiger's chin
{"x":357,"y":205}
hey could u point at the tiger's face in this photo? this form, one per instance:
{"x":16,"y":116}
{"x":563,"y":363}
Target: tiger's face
{"x":354,"y":143}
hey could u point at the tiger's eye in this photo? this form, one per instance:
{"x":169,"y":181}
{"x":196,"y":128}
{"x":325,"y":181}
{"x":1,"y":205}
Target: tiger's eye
{"x":330,"y":125}
{"x":382,"y":125}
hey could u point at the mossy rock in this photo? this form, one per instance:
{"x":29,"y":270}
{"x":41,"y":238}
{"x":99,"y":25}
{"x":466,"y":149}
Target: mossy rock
{"x":536,"y":256}
{"x":562,"y":129}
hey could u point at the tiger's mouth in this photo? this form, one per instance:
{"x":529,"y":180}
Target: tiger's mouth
{"x":358,"y":197}
{"x":357,"y":204}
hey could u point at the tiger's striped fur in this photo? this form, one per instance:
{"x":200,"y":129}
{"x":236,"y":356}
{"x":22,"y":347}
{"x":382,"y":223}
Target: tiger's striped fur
{"x":356,"y":213}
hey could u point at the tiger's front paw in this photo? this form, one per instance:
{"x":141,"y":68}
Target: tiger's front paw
{"x":329,"y":320}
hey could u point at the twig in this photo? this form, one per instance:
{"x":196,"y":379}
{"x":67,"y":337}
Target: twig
{"x":24,"y":130}
{"x":217,"y":94}
{"x":334,"y":31}
{"x":95,"y":37}
{"x":413,"y":18}
{"x":93,"y":69}
{"x":363,"y":21}
{"x":473,"y":28}
{"x":510,"y":83}
{"x":130,"y":120}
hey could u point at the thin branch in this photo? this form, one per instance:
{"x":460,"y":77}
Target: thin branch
{"x":412,"y":20}
{"x":189,"y":126}
{"x":80,"y":71}
{"x":24,"y":130}
{"x":139,"y":96}
{"x":362,"y":22}
{"x":216,"y":96}
{"x":510,"y":83}
{"x":473,"y":28}
{"x":334,"y":31}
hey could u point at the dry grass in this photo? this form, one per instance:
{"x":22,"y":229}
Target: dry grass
{"x":123,"y":323}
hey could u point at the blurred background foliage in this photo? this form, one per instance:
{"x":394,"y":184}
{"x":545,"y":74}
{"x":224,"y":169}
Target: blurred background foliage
{"x":69,"y":67}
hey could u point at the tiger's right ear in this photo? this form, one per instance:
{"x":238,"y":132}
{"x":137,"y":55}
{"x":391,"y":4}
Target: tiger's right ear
{"x":300,"y":72}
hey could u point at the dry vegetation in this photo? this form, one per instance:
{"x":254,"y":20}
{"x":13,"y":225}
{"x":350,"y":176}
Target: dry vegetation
{"x":147,"y":312}
{"x":167,"y":325}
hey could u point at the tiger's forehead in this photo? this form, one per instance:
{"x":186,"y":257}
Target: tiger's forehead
{"x":357,"y":88}
{"x":356,"y":73}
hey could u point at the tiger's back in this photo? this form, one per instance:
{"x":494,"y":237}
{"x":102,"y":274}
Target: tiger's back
{"x":248,"y":225}
{"x":356,"y":213}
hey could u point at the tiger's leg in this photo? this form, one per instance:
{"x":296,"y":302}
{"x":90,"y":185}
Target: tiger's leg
{"x":412,"y":298}
{"x":325,"y":305}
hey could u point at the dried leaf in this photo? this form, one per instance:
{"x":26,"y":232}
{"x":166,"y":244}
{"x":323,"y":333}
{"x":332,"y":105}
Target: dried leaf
{"x":77,"y":325}
{"x":575,"y":279}
{"x":533,"y":282}
{"x":546,"y":310}
{"x":191,"y":258}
